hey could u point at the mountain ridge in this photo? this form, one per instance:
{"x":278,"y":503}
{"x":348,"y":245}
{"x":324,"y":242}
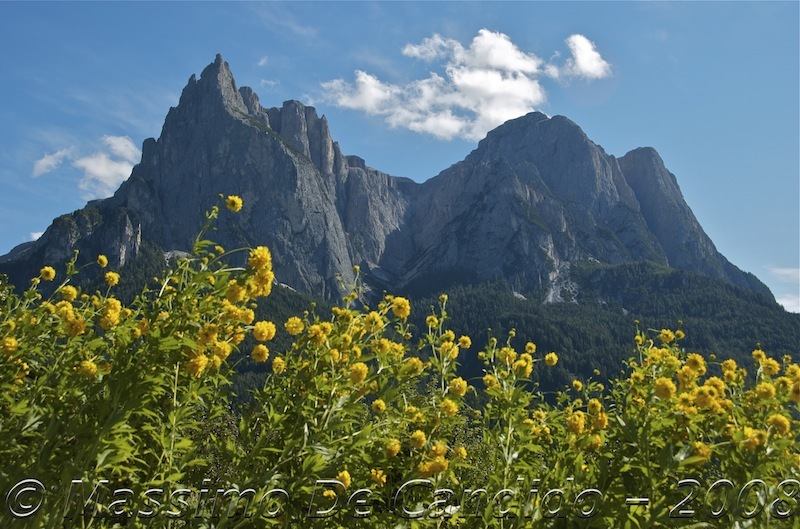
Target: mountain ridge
{"x":535,"y":196}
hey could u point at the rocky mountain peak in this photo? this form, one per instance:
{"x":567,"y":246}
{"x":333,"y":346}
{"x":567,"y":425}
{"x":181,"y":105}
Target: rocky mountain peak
{"x":534,"y":197}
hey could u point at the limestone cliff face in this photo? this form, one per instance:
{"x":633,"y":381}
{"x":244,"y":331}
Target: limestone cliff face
{"x":535,"y":196}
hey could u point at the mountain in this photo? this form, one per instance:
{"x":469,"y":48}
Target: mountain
{"x":534,"y":200}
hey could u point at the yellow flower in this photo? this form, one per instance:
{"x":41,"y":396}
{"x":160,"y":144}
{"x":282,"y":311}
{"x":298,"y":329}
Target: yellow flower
{"x":439,"y":449}
{"x":214,"y":362}
{"x":264,"y":331}
{"x":507,"y":355}
{"x":665,"y":388}
{"x":679,"y":335}
{"x":530,"y":348}
{"x":373,"y":322}
{"x":87,"y":369}
{"x":294,"y":325}
{"x":69,"y":293}
{"x":594,"y":406}
{"x":378,"y":476}
{"x":260,"y":353}
{"x":221,"y":349}
{"x":432,"y":322}
{"x":551,"y":359}
{"x":458,"y":387}
{"x":344,"y":478}
{"x":753,"y":438}
{"x":759,"y":355}
{"x":260,"y":258}
{"x":449,"y":408}
{"x":418,"y":439}
{"x":465,"y":342}
{"x":329,"y":494}
{"x":378,"y":406}
{"x":401,"y":307}
{"x":197,"y":364}
{"x":413,"y":366}
{"x":460,"y":452}
{"x":10,"y":345}
{"x":666,"y":335}
{"x":278,"y":365}
{"x":489,"y":381}
{"x":729,"y":365}
{"x":208,"y":333}
{"x":577,"y":385}
{"x":233,"y":203}
{"x":47,"y":273}
{"x":111,"y":278}
{"x":765,"y":390}
{"x":576,"y":422}
{"x":358,"y":372}
{"x":703,"y":450}
{"x":600,"y":422}
{"x":234,"y":293}
{"x":794,"y":394}
{"x":771,"y":366}
{"x":393,"y":447}
{"x":696,"y":363}
{"x":102,"y":261}
{"x":781,"y":424}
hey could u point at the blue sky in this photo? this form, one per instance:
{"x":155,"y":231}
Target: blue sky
{"x":713,"y":86}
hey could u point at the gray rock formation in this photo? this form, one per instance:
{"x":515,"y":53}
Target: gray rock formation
{"x":535,"y":196}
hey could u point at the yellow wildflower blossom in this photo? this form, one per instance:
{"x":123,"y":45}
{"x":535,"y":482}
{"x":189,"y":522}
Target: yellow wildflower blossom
{"x":378,"y":406}
{"x":401,"y":308}
{"x":551,"y":359}
{"x":47,"y":273}
{"x":294,"y":325}
{"x":278,"y":365}
{"x":358,"y":372}
{"x":665,"y":388}
{"x":448,"y":408}
{"x":233,"y":203}
{"x":111,"y":278}
{"x":260,"y":353}
{"x":458,"y":387}
{"x":393,"y":447}
{"x":344,"y":478}
{"x":87,"y":369}
{"x":418,"y":439}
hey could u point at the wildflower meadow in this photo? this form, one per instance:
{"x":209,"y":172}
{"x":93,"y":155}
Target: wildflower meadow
{"x":121,"y":415}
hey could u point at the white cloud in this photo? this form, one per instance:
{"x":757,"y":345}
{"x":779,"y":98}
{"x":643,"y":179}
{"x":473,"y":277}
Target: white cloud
{"x":484,"y":85}
{"x":105,"y":170}
{"x":586,"y":60}
{"x":790,"y":302}
{"x":36,"y":234}
{"x":262,"y":61}
{"x":787,"y":275}
{"x":49,"y":162}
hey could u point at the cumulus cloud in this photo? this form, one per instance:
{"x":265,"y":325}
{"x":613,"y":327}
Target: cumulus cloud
{"x":586,"y":60}
{"x":105,"y":170}
{"x":49,"y":162}
{"x":36,"y":234}
{"x":483,"y":85}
